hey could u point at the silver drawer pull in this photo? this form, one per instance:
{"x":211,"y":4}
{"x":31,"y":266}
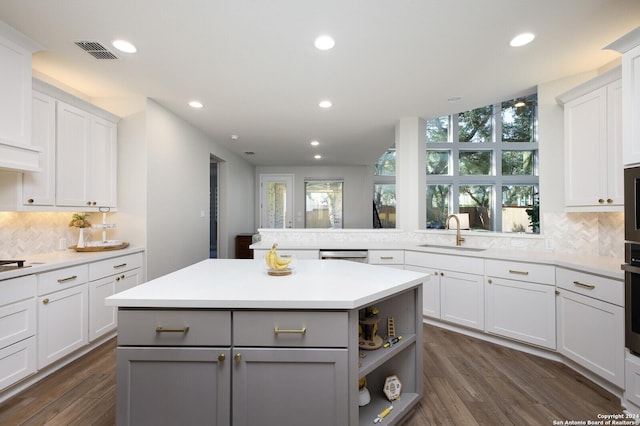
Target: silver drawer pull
{"x":300,"y":331}
{"x":122,"y":265}
{"x":386,"y":257}
{"x":66,"y":280}
{"x":513,"y":271}
{"x":587,"y":286}
{"x":160,"y":329}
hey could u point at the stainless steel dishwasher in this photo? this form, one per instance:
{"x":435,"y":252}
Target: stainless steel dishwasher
{"x":352,"y":255}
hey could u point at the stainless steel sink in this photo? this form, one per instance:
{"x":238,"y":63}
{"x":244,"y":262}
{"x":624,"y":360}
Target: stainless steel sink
{"x":461,"y":248}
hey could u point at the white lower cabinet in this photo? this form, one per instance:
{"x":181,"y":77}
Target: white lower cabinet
{"x":430,"y":291}
{"x":63,"y":313}
{"x":461,"y":299}
{"x":391,"y":258}
{"x":62,"y":323}
{"x":107,"y":278}
{"x":17,"y":329}
{"x":520,"y":302}
{"x":460,"y":295}
{"x":591,"y":323}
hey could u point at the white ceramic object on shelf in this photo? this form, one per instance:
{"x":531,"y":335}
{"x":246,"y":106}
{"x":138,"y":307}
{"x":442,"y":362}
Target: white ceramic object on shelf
{"x":81,"y":239}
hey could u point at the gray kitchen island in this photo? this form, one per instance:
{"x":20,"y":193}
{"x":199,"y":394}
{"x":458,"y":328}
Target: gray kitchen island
{"x":222,"y":342}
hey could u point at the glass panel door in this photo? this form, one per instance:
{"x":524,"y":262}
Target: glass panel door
{"x":276,"y":201}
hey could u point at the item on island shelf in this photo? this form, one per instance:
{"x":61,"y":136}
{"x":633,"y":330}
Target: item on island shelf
{"x":277,"y":265}
{"x":392,"y":387}
{"x":364,"y":397}
{"x":391,"y":328}
{"x":384,"y":413}
{"x":368,"y":330}
{"x":392,"y":341}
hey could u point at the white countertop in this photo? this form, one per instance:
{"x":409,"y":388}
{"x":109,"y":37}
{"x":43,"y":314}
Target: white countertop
{"x":239,"y":284}
{"x":61,"y":259}
{"x":606,"y":266}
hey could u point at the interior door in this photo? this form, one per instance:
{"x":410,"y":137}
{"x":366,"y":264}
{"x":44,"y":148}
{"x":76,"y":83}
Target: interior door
{"x":276,"y":201}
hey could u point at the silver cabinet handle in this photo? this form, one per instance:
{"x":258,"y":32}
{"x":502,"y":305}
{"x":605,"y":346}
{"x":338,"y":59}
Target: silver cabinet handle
{"x":587,"y":286}
{"x":161,"y":329}
{"x":277,"y":330}
{"x":66,"y":280}
{"x":386,"y":257}
{"x":122,"y":265}
{"x":513,"y":271}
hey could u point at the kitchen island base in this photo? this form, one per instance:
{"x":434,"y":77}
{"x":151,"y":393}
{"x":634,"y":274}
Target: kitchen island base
{"x":266,"y":366}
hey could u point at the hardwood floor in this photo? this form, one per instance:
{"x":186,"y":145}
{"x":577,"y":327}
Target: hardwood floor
{"x":466,"y":382}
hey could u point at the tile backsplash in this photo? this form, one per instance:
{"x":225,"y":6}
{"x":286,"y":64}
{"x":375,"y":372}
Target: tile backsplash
{"x":25,"y":233}
{"x":590,"y":234}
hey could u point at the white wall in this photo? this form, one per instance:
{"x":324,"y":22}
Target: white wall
{"x":164,"y":190}
{"x":357,"y":191}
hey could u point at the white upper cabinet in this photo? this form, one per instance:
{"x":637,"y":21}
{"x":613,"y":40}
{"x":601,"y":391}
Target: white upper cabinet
{"x":86,"y":158}
{"x":593,"y":144}
{"x":16,"y":150}
{"x":38,"y":189}
{"x":629,"y":46}
{"x":631,"y":106}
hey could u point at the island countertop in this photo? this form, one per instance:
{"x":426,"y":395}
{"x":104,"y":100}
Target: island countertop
{"x":245,"y":284}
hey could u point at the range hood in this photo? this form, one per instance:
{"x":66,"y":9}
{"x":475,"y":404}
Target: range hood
{"x":17,"y":151}
{"x":22,"y":158}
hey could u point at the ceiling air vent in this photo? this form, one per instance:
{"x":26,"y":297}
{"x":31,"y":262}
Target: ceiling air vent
{"x":96,"y":49}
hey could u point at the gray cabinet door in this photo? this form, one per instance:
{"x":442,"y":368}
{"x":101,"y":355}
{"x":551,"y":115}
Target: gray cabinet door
{"x":278,"y":386}
{"x":173,"y":386}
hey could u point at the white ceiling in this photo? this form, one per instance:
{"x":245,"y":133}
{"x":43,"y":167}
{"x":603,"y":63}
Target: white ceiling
{"x":254,"y":66}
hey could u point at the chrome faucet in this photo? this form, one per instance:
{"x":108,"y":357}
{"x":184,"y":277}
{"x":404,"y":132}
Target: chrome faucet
{"x":459,"y":239}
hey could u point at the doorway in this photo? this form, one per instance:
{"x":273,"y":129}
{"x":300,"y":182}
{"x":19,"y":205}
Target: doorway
{"x":213,"y":207}
{"x":276,"y":201}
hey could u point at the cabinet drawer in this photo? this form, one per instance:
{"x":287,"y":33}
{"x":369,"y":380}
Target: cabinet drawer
{"x":15,"y":289}
{"x":471,"y":265}
{"x":290,"y":328}
{"x":530,"y":272}
{"x":605,"y":289}
{"x":17,"y":322}
{"x":17,"y":362}
{"x":174,"y":328}
{"x":115,"y":265}
{"x":386,"y":257}
{"x":62,"y":278}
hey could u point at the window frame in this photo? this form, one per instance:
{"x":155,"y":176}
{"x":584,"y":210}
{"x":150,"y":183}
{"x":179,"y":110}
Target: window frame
{"x":497,"y":180}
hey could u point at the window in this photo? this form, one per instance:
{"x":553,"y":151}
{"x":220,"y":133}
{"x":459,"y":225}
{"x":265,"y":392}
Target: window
{"x":384,"y":191}
{"x":323,"y":203}
{"x":485,"y":162}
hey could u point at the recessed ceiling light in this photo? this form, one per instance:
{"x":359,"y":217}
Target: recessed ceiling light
{"x":315,"y":143}
{"x":325,"y":104}
{"x":324,"y":42}
{"x":124,"y":46}
{"x":522,"y":39}
{"x":196,"y":104}
{"x":235,"y":137}
{"x":317,"y":156}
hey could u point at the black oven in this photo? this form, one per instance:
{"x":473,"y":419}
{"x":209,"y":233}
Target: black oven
{"x":631,"y":204}
{"x":631,"y":266}
{"x":632,"y":297}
